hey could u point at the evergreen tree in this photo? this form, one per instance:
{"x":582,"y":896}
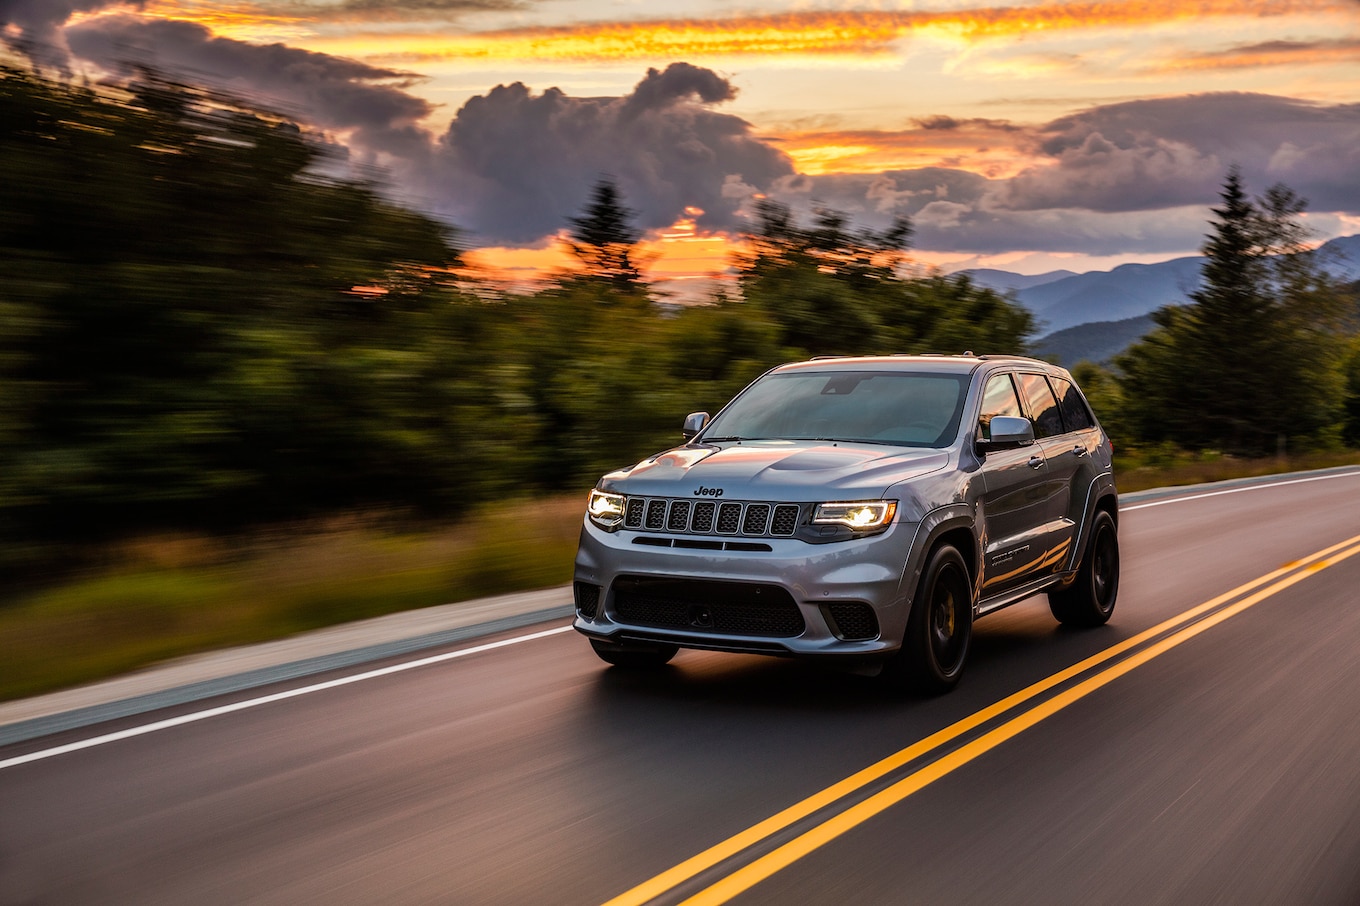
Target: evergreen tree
{"x":1254,"y":358}
{"x":605,"y":240}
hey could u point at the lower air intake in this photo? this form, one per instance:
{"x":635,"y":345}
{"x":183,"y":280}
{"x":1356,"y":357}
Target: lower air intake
{"x":701,"y":606}
{"x":852,"y":620}
{"x":587,"y":599}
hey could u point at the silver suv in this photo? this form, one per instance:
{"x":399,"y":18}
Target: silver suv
{"x":866,"y":508}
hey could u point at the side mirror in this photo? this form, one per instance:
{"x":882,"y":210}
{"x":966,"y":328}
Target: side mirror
{"x":1008,"y":431}
{"x":694,"y":423}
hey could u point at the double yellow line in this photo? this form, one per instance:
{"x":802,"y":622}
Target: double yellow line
{"x":1144,"y":647}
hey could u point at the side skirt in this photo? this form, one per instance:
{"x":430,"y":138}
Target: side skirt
{"x":988,"y":605}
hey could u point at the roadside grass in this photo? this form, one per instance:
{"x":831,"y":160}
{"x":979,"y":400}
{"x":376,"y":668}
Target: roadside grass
{"x":164,"y":597}
{"x":1141,"y":469}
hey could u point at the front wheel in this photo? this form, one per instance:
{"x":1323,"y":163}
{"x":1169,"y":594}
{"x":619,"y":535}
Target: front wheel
{"x":634,"y":656}
{"x":938,"y":628}
{"x":1089,"y":600}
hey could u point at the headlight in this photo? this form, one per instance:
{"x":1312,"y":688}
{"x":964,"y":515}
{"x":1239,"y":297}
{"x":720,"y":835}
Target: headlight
{"x":605,"y":509}
{"x":864,"y":515}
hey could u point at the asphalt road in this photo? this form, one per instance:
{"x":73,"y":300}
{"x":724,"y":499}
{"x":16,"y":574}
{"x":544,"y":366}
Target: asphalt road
{"x":1205,"y":754}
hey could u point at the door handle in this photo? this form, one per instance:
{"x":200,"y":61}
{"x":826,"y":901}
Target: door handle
{"x":1079,"y":450}
{"x":1035,"y":462}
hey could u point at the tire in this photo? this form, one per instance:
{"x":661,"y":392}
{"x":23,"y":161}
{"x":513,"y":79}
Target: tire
{"x":634,"y":656}
{"x":1090,"y":599}
{"x":939,"y":627}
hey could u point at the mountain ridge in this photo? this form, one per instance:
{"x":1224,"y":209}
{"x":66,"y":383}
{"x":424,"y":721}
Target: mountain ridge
{"x":1129,"y":290}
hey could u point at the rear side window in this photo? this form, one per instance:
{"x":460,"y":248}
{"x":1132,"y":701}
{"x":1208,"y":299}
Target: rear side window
{"x":1043,"y":407}
{"x":1074,"y":411}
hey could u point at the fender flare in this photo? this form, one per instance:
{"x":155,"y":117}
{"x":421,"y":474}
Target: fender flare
{"x":937,"y":522}
{"x":1102,"y":488}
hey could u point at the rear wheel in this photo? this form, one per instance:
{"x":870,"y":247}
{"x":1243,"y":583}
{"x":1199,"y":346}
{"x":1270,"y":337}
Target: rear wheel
{"x":1089,"y":600}
{"x":634,"y":656}
{"x":938,"y":628}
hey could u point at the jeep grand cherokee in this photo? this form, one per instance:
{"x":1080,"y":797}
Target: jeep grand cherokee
{"x":865,"y":508}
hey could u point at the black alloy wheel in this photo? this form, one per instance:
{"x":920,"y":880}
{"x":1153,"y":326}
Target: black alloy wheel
{"x":939,"y":627}
{"x":1090,"y":599}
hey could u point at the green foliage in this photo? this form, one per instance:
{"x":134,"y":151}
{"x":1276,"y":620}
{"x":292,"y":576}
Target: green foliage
{"x":198,"y":329}
{"x":1104,"y":392}
{"x":828,"y":291}
{"x":1253,"y":364}
{"x":1351,"y":436}
{"x":605,"y":241}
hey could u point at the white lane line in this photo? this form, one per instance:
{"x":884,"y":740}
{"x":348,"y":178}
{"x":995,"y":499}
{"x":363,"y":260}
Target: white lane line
{"x":1250,"y":487}
{"x":268,"y":699}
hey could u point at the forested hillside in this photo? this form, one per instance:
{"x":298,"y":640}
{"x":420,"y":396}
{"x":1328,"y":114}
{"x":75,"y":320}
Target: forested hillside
{"x":1098,"y":341}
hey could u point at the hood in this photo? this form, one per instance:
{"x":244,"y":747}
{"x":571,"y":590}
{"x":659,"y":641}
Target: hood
{"x":798,"y":471}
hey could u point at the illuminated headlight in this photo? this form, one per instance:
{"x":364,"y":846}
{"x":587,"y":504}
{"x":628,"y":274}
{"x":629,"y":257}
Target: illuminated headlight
{"x":605,"y":509}
{"x":862,"y":516}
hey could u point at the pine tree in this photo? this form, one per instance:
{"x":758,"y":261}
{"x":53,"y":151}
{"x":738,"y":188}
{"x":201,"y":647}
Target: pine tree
{"x":1253,"y":359}
{"x":604,"y":239}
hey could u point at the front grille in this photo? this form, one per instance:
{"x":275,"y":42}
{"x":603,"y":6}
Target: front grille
{"x":703,"y":606}
{"x":729,"y":518}
{"x":679,"y":518}
{"x":757,"y":517}
{"x":702,"y":521}
{"x":708,"y":517}
{"x":785,"y":520}
{"x":853,"y":621}
{"x":587,"y":599}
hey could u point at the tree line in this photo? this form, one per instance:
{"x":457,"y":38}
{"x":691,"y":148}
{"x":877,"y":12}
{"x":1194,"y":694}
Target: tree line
{"x":202,"y":327}
{"x":1265,"y":357}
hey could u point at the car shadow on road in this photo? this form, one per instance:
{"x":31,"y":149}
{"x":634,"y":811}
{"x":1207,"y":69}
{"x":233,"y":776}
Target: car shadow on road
{"x":1021,"y":642}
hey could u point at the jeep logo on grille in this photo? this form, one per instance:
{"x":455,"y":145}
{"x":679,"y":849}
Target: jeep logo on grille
{"x":708,"y":492}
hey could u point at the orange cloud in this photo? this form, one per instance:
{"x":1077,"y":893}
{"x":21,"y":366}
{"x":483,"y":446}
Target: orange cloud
{"x":816,"y":33}
{"x":1270,"y":53}
{"x":986,"y":147}
{"x":242,"y":20}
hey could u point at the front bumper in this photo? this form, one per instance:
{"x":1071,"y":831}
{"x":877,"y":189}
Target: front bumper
{"x":616,"y":570}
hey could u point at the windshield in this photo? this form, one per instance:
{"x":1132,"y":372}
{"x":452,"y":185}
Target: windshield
{"x":900,"y":408}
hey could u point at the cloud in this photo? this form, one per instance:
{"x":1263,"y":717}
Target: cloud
{"x":1268,"y":53}
{"x":514,"y":165}
{"x":987,"y":145}
{"x":420,"y":7}
{"x":1129,"y":177}
{"x":956,"y":211}
{"x":848,"y":34}
{"x":34,"y":27}
{"x":1163,"y":152}
{"x":367,"y":103}
{"x":680,"y":82}
{"x":394,"y":10}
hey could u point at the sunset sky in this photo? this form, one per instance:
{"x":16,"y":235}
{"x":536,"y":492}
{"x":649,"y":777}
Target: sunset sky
{"x":1028,"y":135}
